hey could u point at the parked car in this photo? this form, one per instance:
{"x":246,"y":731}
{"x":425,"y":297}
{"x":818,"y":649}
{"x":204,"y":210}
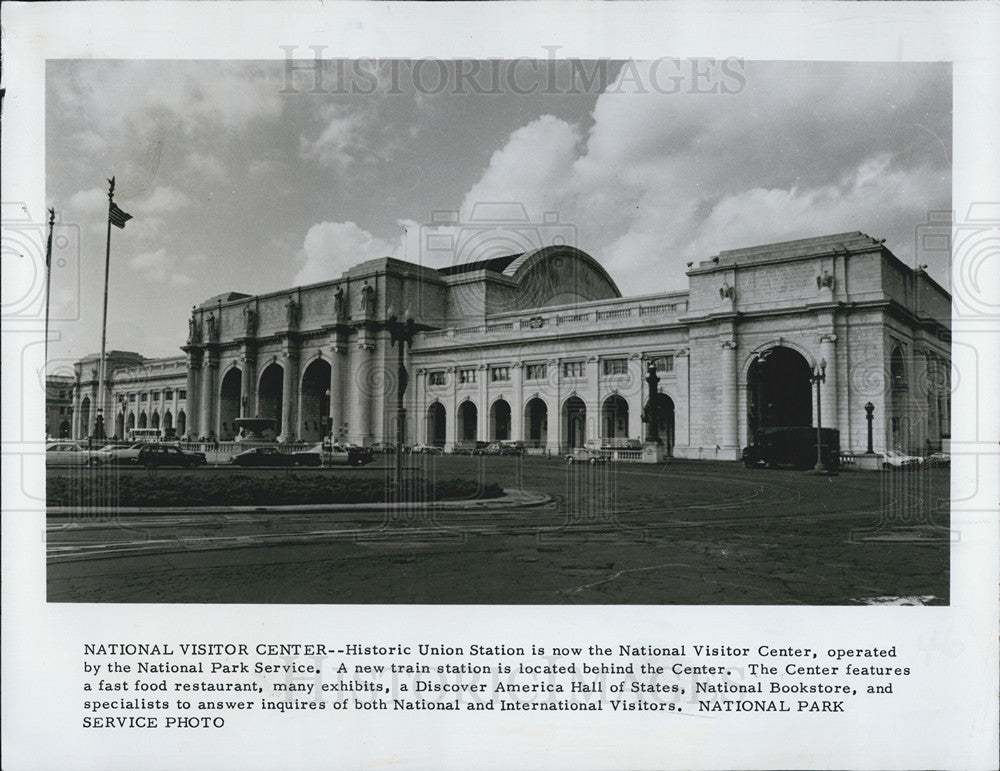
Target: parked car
{"x":938,"y":459}
{"x":157,"y":455}
{"x":794,"y":447}
{"x":123,"y":456}
{"x":585,"y":455}
{"x":508,"y":447}
{"x":424,"y":449}
{"x":272,"y":456}
{"x":344,"y":454}
{"x":383,"y":448}
{"x":72,"y":454}
{"x":470,"y":447}
{"x":895,"y":460}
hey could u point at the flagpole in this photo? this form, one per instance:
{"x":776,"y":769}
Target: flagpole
{"x":104,"y":317}
{"x":48,"y":282}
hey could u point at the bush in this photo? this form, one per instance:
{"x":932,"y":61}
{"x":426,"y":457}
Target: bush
{"x":235,"y":489}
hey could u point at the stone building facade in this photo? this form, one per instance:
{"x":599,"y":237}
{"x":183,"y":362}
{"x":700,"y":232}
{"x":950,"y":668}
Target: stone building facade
{"x":541,"y":347}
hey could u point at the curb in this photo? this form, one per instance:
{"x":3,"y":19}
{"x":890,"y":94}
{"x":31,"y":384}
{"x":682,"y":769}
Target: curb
{"x":506,"y":501}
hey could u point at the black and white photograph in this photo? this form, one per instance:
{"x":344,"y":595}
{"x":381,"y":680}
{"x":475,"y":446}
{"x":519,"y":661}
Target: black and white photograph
{"x":420,"y":385}
{"x":563,"y":331}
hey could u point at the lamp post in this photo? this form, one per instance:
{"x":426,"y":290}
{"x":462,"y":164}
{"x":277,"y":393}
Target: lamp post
{"x":818,"y":377}
{"x":869,"y":412}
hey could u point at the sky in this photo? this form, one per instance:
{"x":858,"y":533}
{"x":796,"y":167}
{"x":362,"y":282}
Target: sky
{"x":241,"y":176}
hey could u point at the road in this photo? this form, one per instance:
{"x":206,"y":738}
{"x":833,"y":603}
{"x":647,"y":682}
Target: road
{"x":686,"y":532}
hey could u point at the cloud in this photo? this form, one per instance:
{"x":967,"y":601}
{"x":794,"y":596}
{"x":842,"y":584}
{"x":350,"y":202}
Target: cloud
{"x":88,"y":142}
{"x":343,"y":140}
{"x":203,"y":167}
{"x":330,"y":248}
{"x":158,"y":266}
{"x":89,"y":201}
{"x":162,"y":200}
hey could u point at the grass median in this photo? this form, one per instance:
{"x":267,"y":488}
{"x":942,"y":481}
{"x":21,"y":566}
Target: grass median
{"x":235,"y":489}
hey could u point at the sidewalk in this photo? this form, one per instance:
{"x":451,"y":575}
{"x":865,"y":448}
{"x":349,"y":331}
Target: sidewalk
{"x":515,"y":499}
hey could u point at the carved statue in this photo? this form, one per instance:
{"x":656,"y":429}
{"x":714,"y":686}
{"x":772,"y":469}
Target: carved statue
{"x":727,"y":292}
{"x":338,"y":303}
{"x":249,"y":320}
{"x":193,"y":332}
{"x":825,"y":281}
{"x":292,"y":309}
{"x":368,"y":299}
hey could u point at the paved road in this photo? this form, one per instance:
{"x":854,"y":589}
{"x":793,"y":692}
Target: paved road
{"x":685,"y":532}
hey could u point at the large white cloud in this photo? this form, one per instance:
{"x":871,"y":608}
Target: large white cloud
{"x":330,"y":248}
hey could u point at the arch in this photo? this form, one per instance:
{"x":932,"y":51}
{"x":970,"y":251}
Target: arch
{"x":536,"y":421}
{"x":614,"y":418}
{"x":120,"y":425}
{"x":142,"y":419}
{"x":154,"y":421}
{"x":168,"y":422}
{"x":779,"y":393}
{"x":130,"y":421}
{"x":663,"y":410}
{"x":574,"y":414}
{"x":500,"y":420}
{"x":315,"y":402}
{"x":64,"y":430}
{"x":559,"y":275}
{"x":85,"y":427}
{"x":436,"y":424}
{"x":181,"y":423}
{"x":270,"y":392}
{"x":468,"y":421}
{"x":900,"y":423}
{"x":230,"y":390}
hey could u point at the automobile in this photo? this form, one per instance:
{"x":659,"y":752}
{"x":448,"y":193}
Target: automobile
{"x":508,"y":447}
{"x":271,"y":456}
{"x":383,"y":448}
{"x":895,"y":460}
{"x":123,"y":456}
{"x":344,"y":454}
{"x":585,"y":455}
{"x":157,"y":455}
{"x":938,"y":459}
{"x":424,"y":449}
{"x":792,"y":446}
{"x":72,"y":454}
{"x":470,"y":447}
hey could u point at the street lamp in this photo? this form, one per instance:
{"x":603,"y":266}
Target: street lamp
{"x":818,"y":377}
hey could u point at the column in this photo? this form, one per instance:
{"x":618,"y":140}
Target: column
{"x":363,"y":430}
{"x":517,"y":402}
{"x":206,"y":400}
{"x":555,"y":430}
{"x":728,"y":408}
{"x":289,"y":393}
{"x":451,"y":419}
{"x":636,"y":396}
{"x":336,"y":393}
{"x":248,"y":400}
{"x":483,"y":415}
{"x":191,"y":400}
{"x":828,"y":390}
{"x":591,"y":399}
{"x":682,"y":405}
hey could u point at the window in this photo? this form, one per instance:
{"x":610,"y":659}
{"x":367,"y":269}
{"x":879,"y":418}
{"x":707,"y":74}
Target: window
{"x":155,"y":396}
{"x":499,"y":374}
{"x":535,"y":372}
{"x":142,"y":396}
{"x":62,"y":410}
{"x":467,"y":375}
{"x":664,"y":363}
{"x":131,"y":397}
{"x":572,"y":369}
{"x":62,"y":394}
{"x":436,"y":378}
{"x":615,"y":366}
{"x":182,"y":393}
{"x":168,"y":394}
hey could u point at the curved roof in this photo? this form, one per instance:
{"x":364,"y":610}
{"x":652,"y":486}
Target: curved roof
{"x":521,"y":264}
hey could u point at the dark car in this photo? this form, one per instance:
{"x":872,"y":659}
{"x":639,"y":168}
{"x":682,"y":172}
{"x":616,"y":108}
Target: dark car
{"x":272,"y":457}
{"x":470,"y":447}
{"x":156,"y":455}
{"x":795,"y":447}
{"x":343,"y":454}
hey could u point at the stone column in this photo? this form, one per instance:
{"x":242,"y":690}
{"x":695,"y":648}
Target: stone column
{"x":682,"y":405}
{"x":728,"y":408}
{"x":517,"y":402}
{"x":483,"y":415}
{"x":592,"y":399}
{"x":336,"y":392}
{"x":828,"y":391}
{"x":248,"y":397}
{"x":451,"y":419}
{"x":289,"y":393}
{"x":191,"y":401}
{"x":363,"y":431}
{"x":555,"y":430}
{"x":206,"y":400}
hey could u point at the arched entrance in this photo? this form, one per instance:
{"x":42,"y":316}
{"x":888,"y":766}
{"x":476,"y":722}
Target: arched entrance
{"x":778,"y":391}
{"x":120,"y":425}
{"x":64,"y":430}
{"x":143,"y":420}
{"x":168,"y":424}
{"x":468,"y":418}
{"x":130,"y":421}
{"x":614,"y":418}
{"x":315,"y":410}
{"x":500,"y":420}
{"x":85,"y":427}
{"x":899,"y":422}
{"x":575,"y":422}
{"x":270,"y":394}
{"x":536,"y":419}
{"x":436,"y":424}
{"x":181,"y":423}
{"x":229,"y":402}
{"x":155,"y":420}
{"x":663,"y":408}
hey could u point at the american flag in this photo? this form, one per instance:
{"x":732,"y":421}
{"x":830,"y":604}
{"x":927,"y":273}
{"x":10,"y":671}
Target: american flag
{"x":117,"y":216}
